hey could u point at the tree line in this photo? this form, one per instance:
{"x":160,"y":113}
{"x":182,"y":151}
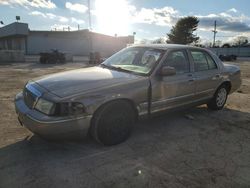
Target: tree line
{"x":183,"y":33}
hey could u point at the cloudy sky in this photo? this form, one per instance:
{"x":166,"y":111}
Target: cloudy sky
{"x":150,"y":19}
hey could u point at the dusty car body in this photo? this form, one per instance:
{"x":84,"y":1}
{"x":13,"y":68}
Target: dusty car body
{"x":106,"y":100}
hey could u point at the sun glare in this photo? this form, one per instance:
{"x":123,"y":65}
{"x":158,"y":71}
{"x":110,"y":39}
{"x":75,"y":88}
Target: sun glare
{"x":112,"y":16}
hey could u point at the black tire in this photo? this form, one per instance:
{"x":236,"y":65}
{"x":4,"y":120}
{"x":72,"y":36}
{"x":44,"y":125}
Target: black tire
{"x":113,"y":123}
{"x":62,"y":60}
{"x":219,"y":99}
{"x":46,"y":61}
{"x":42,"y":60}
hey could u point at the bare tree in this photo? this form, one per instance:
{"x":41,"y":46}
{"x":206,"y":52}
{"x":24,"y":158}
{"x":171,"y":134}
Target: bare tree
{"x":240,"y":41}
{"x":159,"y":41}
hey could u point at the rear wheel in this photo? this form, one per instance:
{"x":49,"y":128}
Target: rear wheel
{"x":113,"y":123}
{"x":219,"y":99}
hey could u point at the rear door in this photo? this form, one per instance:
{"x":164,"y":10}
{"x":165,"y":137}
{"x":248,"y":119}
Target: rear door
{"x":206,"y":73}
{"x":176,"y":90}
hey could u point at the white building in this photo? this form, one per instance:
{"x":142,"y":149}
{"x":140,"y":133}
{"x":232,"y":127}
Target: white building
{"x":17,"y":38}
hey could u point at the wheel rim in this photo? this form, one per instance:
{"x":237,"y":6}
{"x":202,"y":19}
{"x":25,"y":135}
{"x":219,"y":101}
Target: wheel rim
{"x":221,"y":97}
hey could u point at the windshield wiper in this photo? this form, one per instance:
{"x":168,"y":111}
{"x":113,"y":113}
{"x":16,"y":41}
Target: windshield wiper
{"x":116,"y":68}
{"x":106,"y":66}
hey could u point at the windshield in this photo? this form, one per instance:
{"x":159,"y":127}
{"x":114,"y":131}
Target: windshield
{"x":135,"y":59}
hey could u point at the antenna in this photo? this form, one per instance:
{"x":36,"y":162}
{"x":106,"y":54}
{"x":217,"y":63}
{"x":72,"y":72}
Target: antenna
{"x":215,"y":32}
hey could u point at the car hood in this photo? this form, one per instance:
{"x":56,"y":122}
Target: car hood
{"x":231,"y":68}
{"x":83,"y":80}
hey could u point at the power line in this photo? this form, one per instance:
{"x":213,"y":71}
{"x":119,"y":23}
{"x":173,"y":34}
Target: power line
{"x":225,"y":36}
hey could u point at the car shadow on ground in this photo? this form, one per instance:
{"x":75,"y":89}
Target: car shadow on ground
{"x":177,"y":149}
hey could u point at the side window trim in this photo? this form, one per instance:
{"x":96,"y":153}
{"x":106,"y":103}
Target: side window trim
{"x":187,"y":59}
{"x":208,"y":55}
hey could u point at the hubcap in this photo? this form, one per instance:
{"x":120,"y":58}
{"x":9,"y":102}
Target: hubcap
{"x":221,"y":97}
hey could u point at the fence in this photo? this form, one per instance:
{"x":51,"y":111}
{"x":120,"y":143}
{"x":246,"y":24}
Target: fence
{"x":238,"y":51}
{"x":11,"y":56}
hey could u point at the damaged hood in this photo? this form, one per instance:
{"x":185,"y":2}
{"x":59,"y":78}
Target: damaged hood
{"x":83,"y":80}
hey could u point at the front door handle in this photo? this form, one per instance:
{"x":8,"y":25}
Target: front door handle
{"x":217,"y":76}
{"x":191,"y":80}
{"x":191,"y":77}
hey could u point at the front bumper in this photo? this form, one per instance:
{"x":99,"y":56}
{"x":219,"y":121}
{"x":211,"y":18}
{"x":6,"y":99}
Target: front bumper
{"x":48,"y":126}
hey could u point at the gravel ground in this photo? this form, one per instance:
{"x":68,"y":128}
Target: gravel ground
{"x":190,"y":148}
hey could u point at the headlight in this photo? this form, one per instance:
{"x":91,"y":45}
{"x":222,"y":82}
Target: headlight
{"x":59,"y":109}
{"x":45,"y":106}
{"x":70,"y":108}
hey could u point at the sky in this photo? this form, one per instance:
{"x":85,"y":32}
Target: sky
{"x":150,"y":19}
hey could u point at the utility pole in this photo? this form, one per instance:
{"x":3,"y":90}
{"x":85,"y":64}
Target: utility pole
{"x":215,"y":32}
{"x":90,"y":27}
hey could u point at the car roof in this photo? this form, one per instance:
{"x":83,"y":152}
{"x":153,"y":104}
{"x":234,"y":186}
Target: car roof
{"x":166,"y":46}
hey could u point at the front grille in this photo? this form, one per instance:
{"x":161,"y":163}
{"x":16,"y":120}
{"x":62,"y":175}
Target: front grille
{"x":29,"y":98}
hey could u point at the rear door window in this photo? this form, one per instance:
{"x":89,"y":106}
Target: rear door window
{"x":200,"y":61}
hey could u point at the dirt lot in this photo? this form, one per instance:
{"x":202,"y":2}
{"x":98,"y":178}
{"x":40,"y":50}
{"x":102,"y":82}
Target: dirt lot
{"x":191,"y":148}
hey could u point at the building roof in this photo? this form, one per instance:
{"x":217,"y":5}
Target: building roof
{"x":14,"y":29}
{"x":53,"y":31}
{"x":21,"y":29}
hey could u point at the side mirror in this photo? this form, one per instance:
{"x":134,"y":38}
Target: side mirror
{"x":167,"y":71}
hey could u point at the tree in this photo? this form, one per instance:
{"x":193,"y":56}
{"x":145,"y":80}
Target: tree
{"x":226,"y":45}
{"x":182,"y":32}
{"x":240,"y":41}
{"x":158,"y":41}
{"x":218,"y":43}
{"x":143,"y":41}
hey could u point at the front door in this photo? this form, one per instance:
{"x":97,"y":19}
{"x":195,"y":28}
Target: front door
{"x":175,"y":90}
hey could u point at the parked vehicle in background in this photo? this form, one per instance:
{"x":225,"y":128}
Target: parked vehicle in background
{"x":52,"y":57}
{"x":95,"y":58}
{"x":106,"y":100}
{"x":227,"y":57}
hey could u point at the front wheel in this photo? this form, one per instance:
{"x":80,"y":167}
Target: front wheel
{"x":219,"y":99}
{"x":113,"y":123}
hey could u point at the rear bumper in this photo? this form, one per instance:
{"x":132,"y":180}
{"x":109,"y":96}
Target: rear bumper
{"x":49,"y":126}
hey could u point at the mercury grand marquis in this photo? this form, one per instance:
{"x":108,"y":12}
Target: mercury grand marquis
{"x":106,"y":100}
